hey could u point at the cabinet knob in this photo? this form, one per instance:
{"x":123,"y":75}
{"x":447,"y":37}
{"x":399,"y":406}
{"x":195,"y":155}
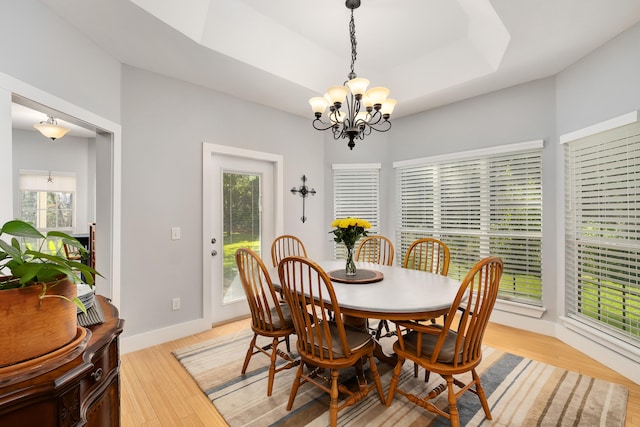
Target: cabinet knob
{"x":97,"y":375}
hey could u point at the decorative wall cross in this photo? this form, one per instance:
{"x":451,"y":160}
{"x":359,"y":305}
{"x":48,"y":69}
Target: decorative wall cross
{"x":304,"y":191}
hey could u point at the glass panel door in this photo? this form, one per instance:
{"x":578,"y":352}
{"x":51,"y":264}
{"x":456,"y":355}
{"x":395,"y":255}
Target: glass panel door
{"x":242,"y":221}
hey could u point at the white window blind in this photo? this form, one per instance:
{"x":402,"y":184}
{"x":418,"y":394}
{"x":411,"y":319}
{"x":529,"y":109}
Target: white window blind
{"x":486,"y":204}
{"x":356,"y":193}
{"x":602,"y":223}
{"x":47,"y":199}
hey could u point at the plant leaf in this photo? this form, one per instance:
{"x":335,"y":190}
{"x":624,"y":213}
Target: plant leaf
{"x":10,"y":250}
{"x":79,"y":304}
{"x":27,"y":272}
{"x":21,"y":229}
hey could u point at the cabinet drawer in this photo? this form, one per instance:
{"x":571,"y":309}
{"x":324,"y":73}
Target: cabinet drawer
{"x":104,"y":362}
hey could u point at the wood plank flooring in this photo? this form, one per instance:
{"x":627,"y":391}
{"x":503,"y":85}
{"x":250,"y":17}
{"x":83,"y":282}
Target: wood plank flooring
{"x":157,"y":391}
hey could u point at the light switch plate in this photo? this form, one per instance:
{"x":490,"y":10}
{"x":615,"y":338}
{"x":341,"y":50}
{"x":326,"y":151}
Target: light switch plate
{"x":175,"y":233}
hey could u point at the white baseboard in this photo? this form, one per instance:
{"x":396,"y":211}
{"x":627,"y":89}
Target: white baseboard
{"x":525,"y":322}
{"x":162,"y":335}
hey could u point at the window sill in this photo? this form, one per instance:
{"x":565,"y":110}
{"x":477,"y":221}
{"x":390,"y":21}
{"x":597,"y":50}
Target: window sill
{"x":519,"y":308}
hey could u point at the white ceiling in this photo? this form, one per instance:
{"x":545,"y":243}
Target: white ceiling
{"x":281,"y":52}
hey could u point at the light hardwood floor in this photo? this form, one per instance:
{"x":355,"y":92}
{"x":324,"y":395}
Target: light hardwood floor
{"x":157,"y":391}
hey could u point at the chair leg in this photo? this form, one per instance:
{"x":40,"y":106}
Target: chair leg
{"x":454,"y":417}
{"x":272,"y":366}
{"x":394,"y":380}
{"x":333,"y":404}
{"x":376,"y":379}
{"x":481,"y":394}
{"x":295,"y":385}
{"x":249,"y":353}
{"x":383,"y":324}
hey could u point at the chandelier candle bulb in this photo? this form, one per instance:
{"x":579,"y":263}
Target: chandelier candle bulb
{"x":337,"y":94}
{"x":387,"y":108}
{"x":377,"y":95}
{"x":318,"y":105}
{"x":358,"y":87}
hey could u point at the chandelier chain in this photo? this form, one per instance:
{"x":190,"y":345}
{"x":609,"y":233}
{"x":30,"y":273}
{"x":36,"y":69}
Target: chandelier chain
{"x":352,"y":34}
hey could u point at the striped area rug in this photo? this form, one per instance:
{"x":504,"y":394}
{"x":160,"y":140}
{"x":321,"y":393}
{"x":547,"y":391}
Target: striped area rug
{"x":521,"y":392}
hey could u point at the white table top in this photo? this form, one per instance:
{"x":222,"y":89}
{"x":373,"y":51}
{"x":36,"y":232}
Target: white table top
{"x":403,"y":294}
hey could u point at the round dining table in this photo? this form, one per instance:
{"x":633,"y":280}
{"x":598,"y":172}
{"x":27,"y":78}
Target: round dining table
{"x":387,"y":293}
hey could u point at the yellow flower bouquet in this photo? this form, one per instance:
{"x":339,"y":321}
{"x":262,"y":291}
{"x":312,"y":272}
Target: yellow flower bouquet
{"x":348,"y":231}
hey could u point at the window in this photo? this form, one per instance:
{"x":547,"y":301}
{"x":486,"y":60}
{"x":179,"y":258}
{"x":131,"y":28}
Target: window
{"x":602,"y":220}
{"x":47,"y":200}
{"x":480,"y":203}
{"x":356,"y":193}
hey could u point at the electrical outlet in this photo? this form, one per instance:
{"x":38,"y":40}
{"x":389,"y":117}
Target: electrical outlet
{"x":175,"y":304}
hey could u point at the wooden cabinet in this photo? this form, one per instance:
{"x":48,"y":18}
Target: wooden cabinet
{"x":84,"y":390}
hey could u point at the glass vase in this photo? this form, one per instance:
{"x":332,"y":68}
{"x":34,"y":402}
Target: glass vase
{"x":350,"y":268}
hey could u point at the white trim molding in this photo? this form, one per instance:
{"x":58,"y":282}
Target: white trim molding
{"x":353,"y":166}
{"x":129,"y":343}
{"x":606,"y":125}
{"x":498,"y":149}
{"x":520,"y":308}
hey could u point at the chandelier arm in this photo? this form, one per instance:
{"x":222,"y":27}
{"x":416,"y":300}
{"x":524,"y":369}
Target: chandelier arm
{"x":320,"y":125}
{"x":381,"y":127}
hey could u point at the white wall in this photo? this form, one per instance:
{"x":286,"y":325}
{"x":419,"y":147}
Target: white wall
{"x":32,"y":151}
{"x":40,"y":49}
{"x":165,"y":122}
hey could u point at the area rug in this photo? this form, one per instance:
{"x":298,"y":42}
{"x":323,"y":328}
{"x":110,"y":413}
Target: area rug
{"x":520,"y":391}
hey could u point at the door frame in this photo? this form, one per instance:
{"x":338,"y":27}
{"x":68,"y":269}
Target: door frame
{"x":209,"y":150}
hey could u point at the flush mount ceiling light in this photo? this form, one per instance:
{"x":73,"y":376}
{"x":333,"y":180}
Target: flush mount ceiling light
{"x":50,"y":128}
{"x":353,"y":111}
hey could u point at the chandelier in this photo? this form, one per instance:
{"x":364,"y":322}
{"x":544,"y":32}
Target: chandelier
{"x":50,"y":128}
{"x":353,"y":111}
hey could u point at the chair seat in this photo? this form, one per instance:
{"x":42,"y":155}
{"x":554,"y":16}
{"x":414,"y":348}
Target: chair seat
{"x":287,"y":322}
{"x":356,"y":339}
{"x":447,"y":353}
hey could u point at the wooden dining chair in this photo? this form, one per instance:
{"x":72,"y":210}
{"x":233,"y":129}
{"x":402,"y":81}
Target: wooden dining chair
{"x":325,"y":344}
{"x":378,"y":250}
{"x":286,"y":245}
{"x":428,"y":254}
{"x":269,"y":317}
{"x":450,"y":349}
{"x":431,"y":255}
{"x":375,"y":249}
{"x":71,"y":252}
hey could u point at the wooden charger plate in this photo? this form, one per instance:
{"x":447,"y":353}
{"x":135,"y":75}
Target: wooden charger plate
{"x":362,"y":276}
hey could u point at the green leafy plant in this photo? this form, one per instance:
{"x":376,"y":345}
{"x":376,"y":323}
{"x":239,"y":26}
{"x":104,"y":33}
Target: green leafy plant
{"x":26,"y":266}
